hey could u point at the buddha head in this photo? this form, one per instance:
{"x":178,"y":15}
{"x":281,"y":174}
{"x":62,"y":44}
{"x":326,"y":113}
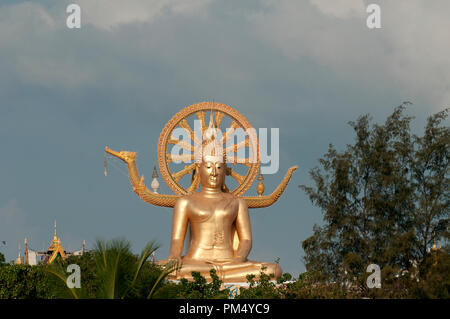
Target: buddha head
{"x":211,"y":161}
{"x":212,"y":173}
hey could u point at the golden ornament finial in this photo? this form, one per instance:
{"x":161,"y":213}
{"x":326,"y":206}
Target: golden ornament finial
{"x":260,"y":186}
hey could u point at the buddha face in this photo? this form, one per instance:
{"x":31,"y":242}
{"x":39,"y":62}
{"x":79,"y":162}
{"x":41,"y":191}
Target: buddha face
{"x":212,"y":173}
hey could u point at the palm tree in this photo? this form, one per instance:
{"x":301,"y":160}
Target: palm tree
{"x":117,"y":269}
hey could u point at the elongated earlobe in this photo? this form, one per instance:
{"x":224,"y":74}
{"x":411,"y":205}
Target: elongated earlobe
{"x":225,"y":188}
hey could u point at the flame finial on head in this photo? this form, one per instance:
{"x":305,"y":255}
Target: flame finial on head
{"x":210,"y":149}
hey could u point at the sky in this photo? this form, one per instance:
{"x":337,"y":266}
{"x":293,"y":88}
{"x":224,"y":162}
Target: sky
{"x":306,"y":67}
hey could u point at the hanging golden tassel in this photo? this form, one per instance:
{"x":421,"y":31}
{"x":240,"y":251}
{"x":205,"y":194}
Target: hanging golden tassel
{"x":104,"y":165}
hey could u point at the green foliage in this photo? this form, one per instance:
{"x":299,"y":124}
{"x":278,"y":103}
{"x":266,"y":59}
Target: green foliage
{"x":263,"y":288}
{"x":201,"y":289}
{"x":112,"y":271}
{"x":89,"y":278}
{"x":284,"y":277}
{"x":25,"y":282}
{"x":384,"y":200}
{"x":306,"y":287}
{"x":2,"y":259}
{"x":115,"y":267}
{"x":168,"y":291}
{"x":435,"y":273}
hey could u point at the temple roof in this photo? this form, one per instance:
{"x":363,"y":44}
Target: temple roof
{"x":56,"y":248}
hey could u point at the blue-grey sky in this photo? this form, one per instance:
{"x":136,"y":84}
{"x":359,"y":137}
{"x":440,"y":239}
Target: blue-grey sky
{"x":306,"y":67}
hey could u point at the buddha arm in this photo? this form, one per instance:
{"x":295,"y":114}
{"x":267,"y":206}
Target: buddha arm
{"x":179,"y":228}
{"x":265,"y":201}
{"x":138,"y":183}
{"x":244,"y":232}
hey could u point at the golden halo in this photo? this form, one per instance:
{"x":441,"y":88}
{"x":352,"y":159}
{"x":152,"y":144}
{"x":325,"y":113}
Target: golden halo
{"x":222,"y":111}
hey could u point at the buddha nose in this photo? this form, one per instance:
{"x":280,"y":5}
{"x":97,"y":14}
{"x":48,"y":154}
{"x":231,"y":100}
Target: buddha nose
{"x":214,"y":171}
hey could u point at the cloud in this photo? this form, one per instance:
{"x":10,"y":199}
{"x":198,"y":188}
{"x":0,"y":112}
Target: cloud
{"x":110,"y":14}
{"x":340,"y":8}
{"x":120,"y":41}
{"x":32,"y":51}
{"x":38,"y":49}
{"x":19,"y":17}
{"x":410,"y":51}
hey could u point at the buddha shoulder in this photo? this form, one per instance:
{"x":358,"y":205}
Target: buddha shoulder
{"x":183,"y":201}
{"x":186,"y":199}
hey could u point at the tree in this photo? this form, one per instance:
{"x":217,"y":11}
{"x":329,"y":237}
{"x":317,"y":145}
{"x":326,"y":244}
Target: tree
{"x":26,"y":282}
{"x":435,"y":274}
{"x":384,"y":199}
{"x":431,"y":184}
{"x":199,"y":288}
{"x":112,"y":271}
{"x":263,"y":288}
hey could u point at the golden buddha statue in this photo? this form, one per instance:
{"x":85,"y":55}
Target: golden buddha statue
{"x":218,"y":219}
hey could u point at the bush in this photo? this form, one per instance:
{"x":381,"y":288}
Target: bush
{"x":201,"y":289}
{"x":26,"y":282}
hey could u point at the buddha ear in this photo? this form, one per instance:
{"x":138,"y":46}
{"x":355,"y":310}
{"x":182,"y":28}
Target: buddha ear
{"x":228,"y":171}
{"x":225,"y":188}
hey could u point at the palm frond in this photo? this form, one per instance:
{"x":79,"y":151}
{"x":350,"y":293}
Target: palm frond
{"x":109,"y":256}
{"x":146,"y":252}
{"x":58,"y":272}
{"x":168,"y":268}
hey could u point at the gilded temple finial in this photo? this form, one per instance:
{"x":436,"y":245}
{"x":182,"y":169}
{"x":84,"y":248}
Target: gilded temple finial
{"x":19,"y":258}
{"x":260,"y":186}
{"x":55,"y":238}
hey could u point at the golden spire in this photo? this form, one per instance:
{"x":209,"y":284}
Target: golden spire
{"x":19,"y":259}
{"x":54,"y":236}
